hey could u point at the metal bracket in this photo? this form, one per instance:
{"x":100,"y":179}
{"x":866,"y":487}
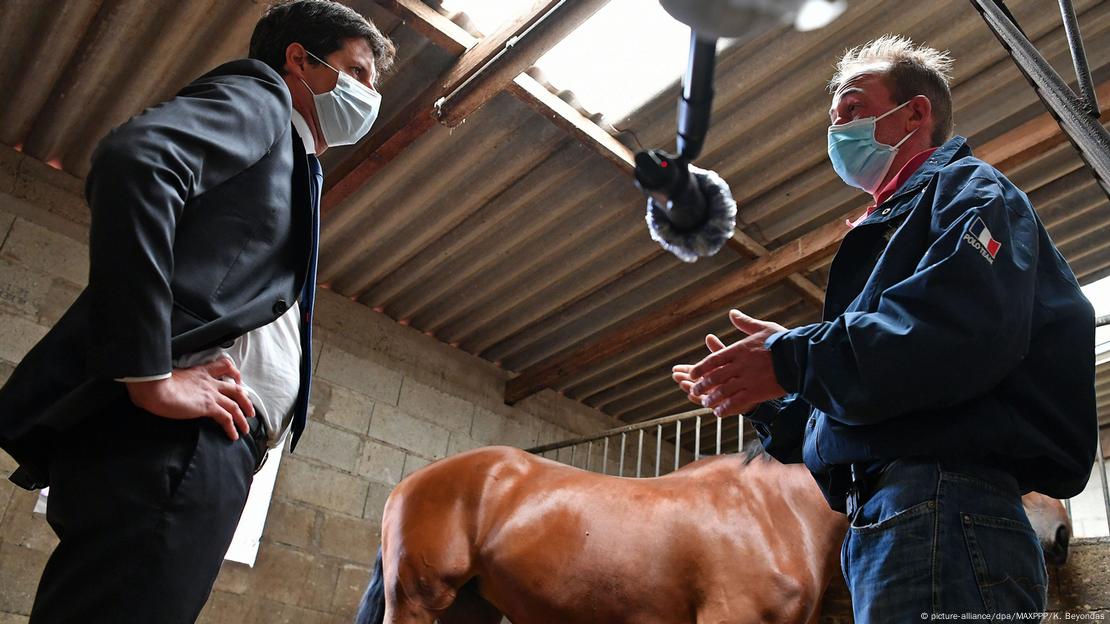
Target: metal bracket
{"x":1078,"y":115}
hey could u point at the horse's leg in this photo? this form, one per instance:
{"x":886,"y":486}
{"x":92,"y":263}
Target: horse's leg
{"x":470,"y":608}
{"x":419,"y":588}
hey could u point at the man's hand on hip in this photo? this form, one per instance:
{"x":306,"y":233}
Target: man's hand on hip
{"x":213,"y":390}
{"x":736,"y":378}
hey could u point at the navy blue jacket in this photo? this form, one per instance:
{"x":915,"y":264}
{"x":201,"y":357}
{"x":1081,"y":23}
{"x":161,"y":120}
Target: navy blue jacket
{"x":952,"y":327}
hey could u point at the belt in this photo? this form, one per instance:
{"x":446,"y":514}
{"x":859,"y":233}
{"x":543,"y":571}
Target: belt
{"x":863,"y":478}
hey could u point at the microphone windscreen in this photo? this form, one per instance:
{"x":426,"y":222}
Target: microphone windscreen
{"x":707,"y":239}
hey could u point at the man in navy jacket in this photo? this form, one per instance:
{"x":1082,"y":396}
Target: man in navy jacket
{"x":953,"y":370}
{"x":148,"y":407}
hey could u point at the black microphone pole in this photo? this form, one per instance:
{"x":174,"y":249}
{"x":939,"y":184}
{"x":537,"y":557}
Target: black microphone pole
{"x":666,"y":177}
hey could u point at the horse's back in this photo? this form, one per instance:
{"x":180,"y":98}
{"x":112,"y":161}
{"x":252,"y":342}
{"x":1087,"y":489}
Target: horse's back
{"x":545,"y":540}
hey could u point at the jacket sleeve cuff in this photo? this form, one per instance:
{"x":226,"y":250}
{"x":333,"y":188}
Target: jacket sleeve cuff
{"x":786,"y":369}
{"x":142,"y":379}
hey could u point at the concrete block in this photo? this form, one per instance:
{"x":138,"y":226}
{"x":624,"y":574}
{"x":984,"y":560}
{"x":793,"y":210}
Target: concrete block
{"x":390,"y":424}
{"x":353,"y":580}
{"x":299,"y":480}
{"x":20,"y":569}
{"x":381,"y":463}
{"x":22,"y":527}
{"x":352,"y":539}
{"x":435,"y":405}
{"x":47,"y":251}
{"x":286,"y":576}
{"x":55,"y":192}
{"x":7,"y":463}
{"x":414,"y":463}
{"x":23,"y":290}
{"x":407,"y":350}
{"x":460,"y":443}
{"x":7,"y":492}
{"x":234,"y":578}
{"x":9,"y":168}
{"x":375,"y":502}
{"x":224,"y":607}
{"x":291,"y":524}
{"x":342,"y":368}
{"x":17,"y":336}
{"x":550,"y":432}
{"x":6,"y":369}
{"x":332,"y":446}
{"x":342,"y":407}
{"x":11,"y":618}
{"x":491,"y":428}
{"x":59,"y":298}
{"x":317,"y":349}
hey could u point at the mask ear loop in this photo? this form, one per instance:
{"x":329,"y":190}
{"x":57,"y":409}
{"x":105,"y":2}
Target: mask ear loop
{"x":911,"y":133}
{"x":906,"y":138}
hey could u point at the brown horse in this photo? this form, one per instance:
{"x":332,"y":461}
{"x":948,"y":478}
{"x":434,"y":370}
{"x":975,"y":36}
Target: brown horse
{"x":498,"y":531}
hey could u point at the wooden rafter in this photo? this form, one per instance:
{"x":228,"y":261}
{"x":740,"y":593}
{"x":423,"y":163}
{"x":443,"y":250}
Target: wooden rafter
{"x":1013,"y":148}
{"x":546,"y":23}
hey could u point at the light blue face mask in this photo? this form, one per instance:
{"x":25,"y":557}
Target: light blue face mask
{"x":858,"y":158}
{"x":346,"y":112}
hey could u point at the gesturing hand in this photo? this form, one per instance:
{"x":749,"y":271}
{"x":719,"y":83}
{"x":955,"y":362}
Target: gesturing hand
{"x":735,"y":378}
{"x":681,"y":372}
{"x":212,"y":390}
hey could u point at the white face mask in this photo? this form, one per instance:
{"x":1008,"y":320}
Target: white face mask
{"x":347,"y":111}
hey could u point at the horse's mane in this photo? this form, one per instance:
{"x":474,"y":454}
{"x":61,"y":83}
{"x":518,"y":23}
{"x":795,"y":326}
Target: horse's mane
{"x":754,"y":450}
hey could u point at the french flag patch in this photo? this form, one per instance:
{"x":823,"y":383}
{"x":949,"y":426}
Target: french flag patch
{"x":979,"y":237}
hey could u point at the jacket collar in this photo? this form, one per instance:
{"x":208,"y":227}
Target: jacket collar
{"x":953,"y":150}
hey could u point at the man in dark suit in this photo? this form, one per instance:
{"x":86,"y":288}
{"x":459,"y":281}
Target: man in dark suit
{"x":151,"y":403}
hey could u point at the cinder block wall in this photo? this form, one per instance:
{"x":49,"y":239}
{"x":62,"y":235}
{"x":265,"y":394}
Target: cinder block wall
{"x":387,"y":400}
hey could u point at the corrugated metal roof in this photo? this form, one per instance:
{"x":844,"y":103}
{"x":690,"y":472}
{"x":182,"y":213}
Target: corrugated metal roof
{"x":513,"y":241}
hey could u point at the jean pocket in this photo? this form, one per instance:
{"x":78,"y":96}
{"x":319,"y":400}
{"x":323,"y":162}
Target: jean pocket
{"x":882,"y":524}
{"x":1006,"y":558}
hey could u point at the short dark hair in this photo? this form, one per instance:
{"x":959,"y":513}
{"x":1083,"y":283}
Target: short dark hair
{"x":321,"y":26}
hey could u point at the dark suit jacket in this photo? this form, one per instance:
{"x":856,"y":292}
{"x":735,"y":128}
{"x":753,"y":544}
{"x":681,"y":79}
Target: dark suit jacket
{"x":200,"y":233}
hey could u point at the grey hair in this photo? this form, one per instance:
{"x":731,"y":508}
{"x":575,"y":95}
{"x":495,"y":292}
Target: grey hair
{"x":908,"y":70}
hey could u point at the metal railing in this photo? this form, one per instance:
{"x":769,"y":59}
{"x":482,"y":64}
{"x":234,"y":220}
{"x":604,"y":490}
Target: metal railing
{"x":668,"y":436}
{"x":663,"y":428}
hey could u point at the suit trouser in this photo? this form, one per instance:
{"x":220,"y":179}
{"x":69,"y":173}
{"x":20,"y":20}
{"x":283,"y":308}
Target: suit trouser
{"x":144,"y":509}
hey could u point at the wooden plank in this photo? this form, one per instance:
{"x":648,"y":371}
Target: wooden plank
{"x":547,"y":23}
{"x":788,"y":259}
{"x":748,"y":246}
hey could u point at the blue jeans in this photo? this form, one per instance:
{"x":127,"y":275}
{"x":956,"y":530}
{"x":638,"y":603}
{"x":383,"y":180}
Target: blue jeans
{"x":935,"y":538}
